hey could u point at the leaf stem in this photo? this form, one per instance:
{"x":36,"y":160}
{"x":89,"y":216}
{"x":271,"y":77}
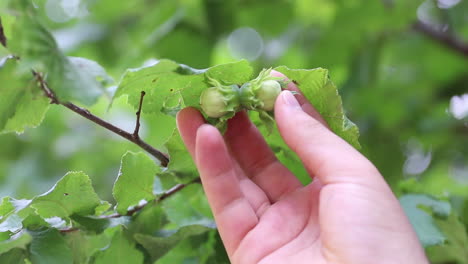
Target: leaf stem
{"x":164,"y":160}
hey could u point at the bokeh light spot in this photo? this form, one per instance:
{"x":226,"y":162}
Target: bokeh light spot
{"x":245,"y":43}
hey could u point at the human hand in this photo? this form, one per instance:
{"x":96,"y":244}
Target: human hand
{"x":348,"y":214}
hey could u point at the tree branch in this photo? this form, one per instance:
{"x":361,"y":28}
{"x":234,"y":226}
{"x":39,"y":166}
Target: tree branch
{"x":3,"y":39}
{"x":138,"y":114}
{"x":447,"y":40}
{"x":176,"y":188}
{"x":87,"y":114}
{"x":161,"y":198}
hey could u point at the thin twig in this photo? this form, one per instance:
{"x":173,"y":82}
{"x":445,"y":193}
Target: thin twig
{"x":164,"y":160}
{"x":138,"y":114}
{"x":136,"y":209}
{"x":161,"y":198}
{"x":3,"y":39}
{"x":447,"y":40}
{"x":69,"y":230}
{"x":175,"y":189}
{"x":49,"y":93}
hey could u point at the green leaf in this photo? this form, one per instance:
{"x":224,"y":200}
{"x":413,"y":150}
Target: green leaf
{"x":230,"y":73}
{"x":12,"y":224}
{"x":218,"y":252}
{"x":438,"y":181}
{"x":157,"y":81}
{"x":135,"y":181}
{"x":49,"y":247}
{"x":70,"y":78}
{"x":19,"y":5}
{"x":73,"y":194}
{"x":5,"y":235}
{"x":323,"y":95}
{"x":120,"y":251}
{"x":17,"y":214}
{"x":13,"y":212}
{"x":21,"y":104}
{"x":415,"y":206}
{"x":189,"y":206}
{"x":180,"y":162}
{"x":169,"y":82}
{"x":102,"y":208}
{"x":14,"y":256}
{"x":32,"y":221}
{"x":6,"y":207}
{"x":205,"y":248}
{"x":19,"y":240}
{"x":158,"y":246}
{"x":92,"y":69}
{"x":10,"y":205}
{"x":91,"y":223}
{"x":454,"y":250}
{"x":148,"y":221}
{"x":85,"y":246}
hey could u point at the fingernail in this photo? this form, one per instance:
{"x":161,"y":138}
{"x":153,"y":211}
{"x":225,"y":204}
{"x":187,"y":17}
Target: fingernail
{"x":289,"y":99}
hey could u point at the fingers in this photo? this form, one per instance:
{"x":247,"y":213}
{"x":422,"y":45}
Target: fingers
{"x":323,"y":153}
{"x":250,"y":150}
{"x":303,"y":102}
{"x":257,"y":160}
{"x":188,"y":122}
{"x":234,"y":215}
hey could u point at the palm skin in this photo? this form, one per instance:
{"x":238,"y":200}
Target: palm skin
{"x":348,"y":214}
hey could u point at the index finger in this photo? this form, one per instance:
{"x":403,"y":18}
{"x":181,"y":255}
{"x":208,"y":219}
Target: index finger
{"x":323,"y":153}
{"x":303,"y":102}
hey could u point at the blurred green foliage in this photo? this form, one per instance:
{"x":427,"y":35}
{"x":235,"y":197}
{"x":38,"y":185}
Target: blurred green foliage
{"x":398,"y":65}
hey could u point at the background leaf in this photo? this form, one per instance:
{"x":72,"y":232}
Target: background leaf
{"x":404,"y":85}
{"x":73,"y":194}
{"x":14,"y":256}
{"x":181,"y":162}
{"x":135,"y":181}
{"x":71,"y":79}
{"x":120,"y":251}
{"x":457,"y":242}
{"x":48,"y":246}
{"x":21,"y":103}
{"x":19,"y":240}
{"x":426,"y":229}
{"x":158,"y":246}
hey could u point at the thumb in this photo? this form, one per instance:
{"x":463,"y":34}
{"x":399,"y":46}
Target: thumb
{"x":324,"y":154}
